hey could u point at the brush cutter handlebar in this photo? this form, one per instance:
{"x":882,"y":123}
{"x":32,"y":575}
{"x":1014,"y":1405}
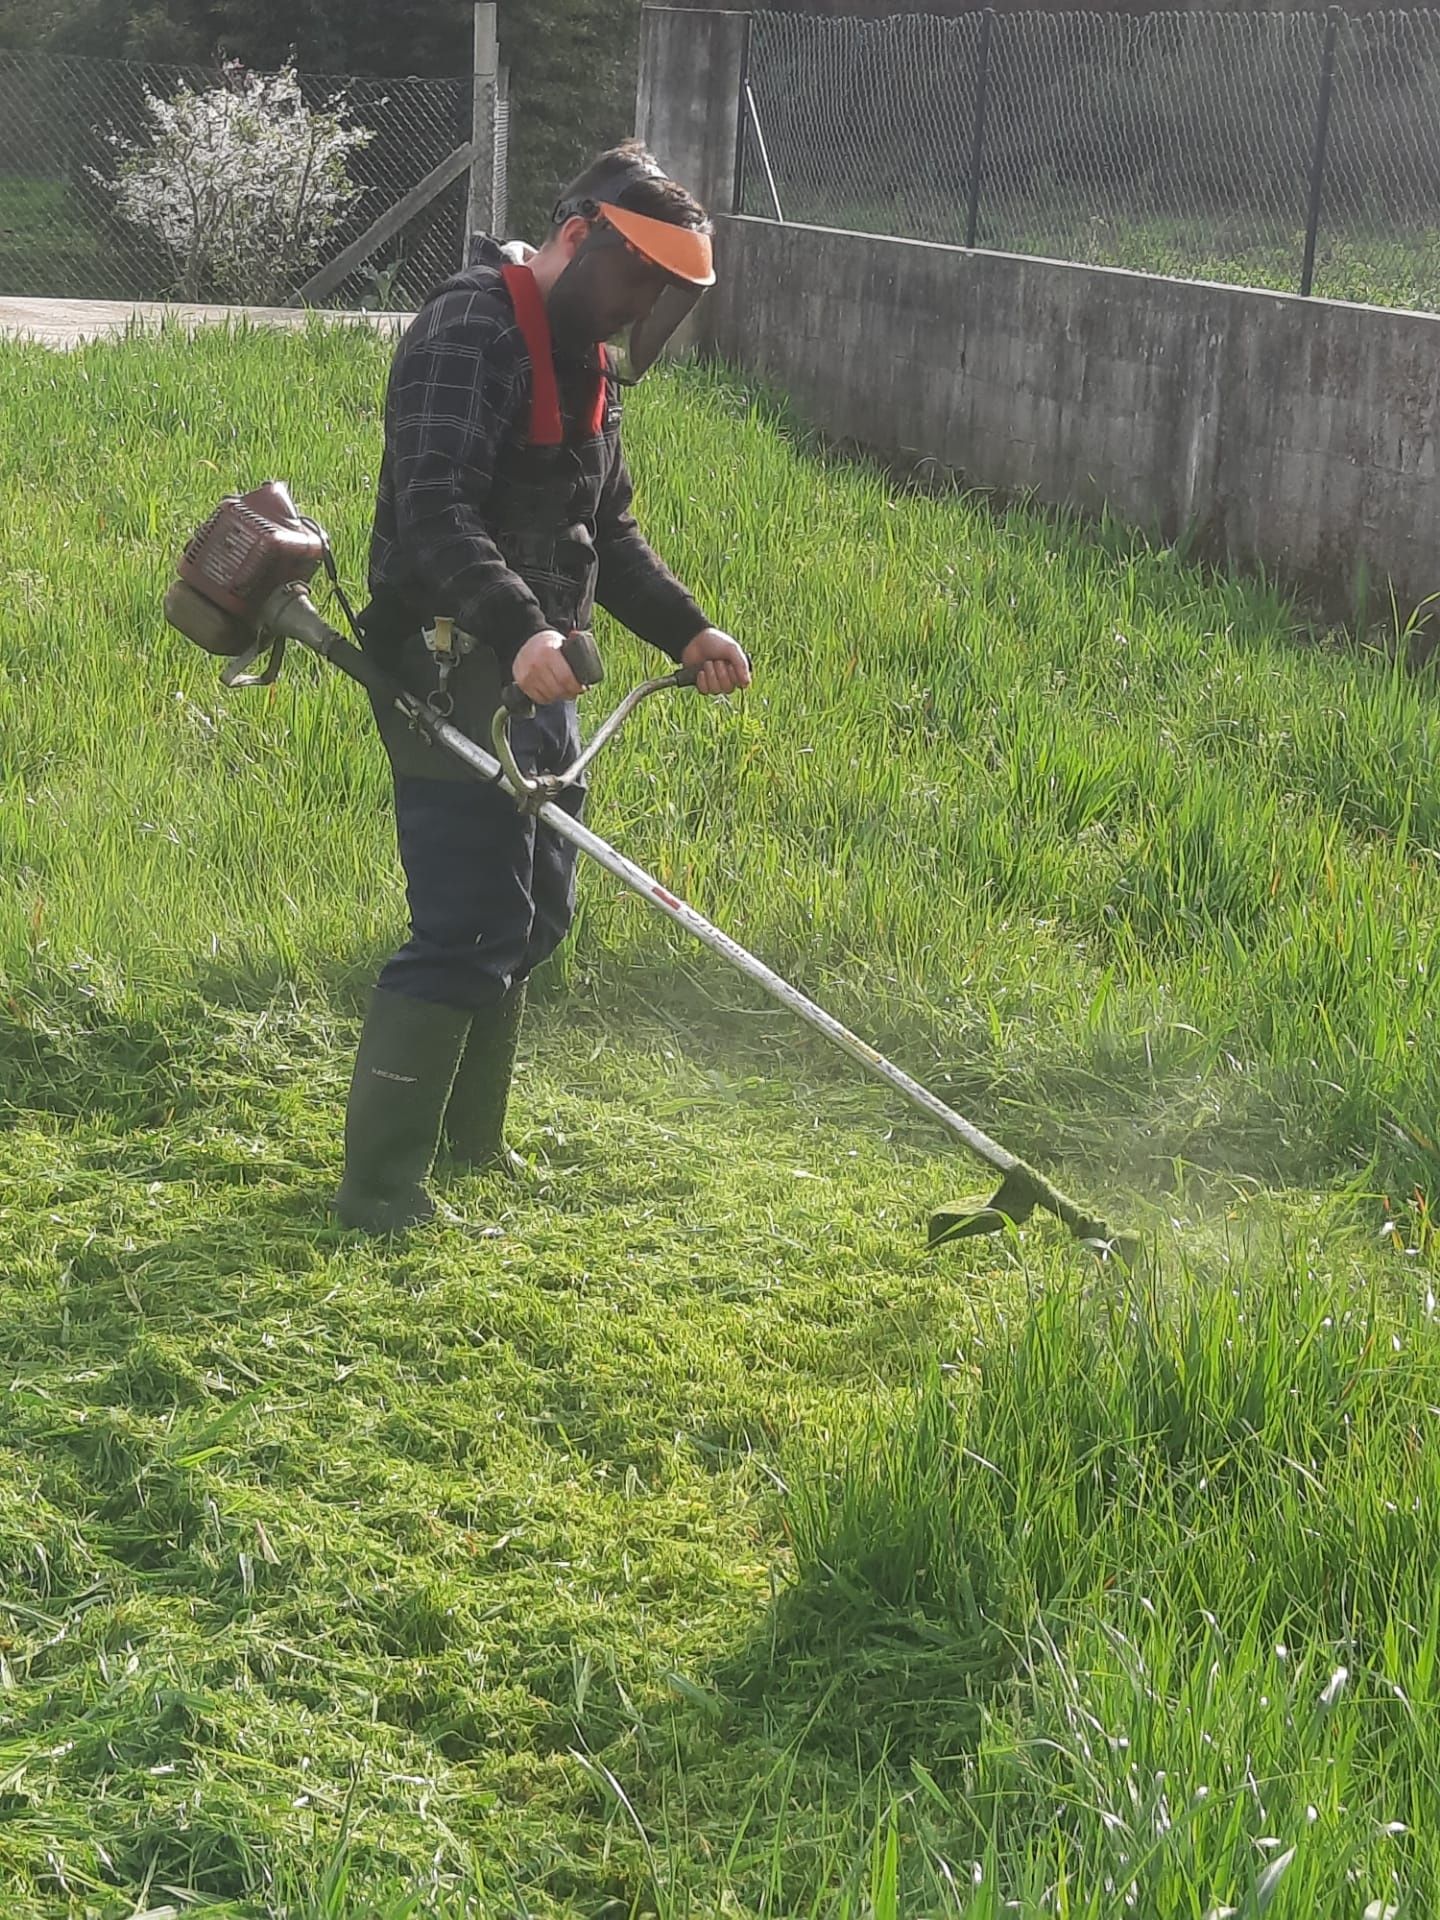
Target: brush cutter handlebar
{"x":534,"y":791}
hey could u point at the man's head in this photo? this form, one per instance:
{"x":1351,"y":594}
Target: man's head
{"x":628,"y":252}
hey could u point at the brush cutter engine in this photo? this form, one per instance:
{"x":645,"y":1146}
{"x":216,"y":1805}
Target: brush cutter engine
{"x":250,"y":563}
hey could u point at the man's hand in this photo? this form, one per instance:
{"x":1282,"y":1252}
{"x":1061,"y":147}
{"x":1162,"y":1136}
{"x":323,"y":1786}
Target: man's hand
{"x":542,"y":672}
{"x":723,"y":666}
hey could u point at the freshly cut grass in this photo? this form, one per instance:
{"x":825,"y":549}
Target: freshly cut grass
{"x":677,"y":1537}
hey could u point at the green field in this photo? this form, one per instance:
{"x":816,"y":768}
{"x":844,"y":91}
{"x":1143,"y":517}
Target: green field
{"x":50,"y":243}
{"x":49,"y":247}
{"x":1378,"y":262}
{"x":677,"y":1536}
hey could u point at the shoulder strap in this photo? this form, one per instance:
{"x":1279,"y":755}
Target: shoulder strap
{"x":597,"y":416}
{"x":547,"y":428}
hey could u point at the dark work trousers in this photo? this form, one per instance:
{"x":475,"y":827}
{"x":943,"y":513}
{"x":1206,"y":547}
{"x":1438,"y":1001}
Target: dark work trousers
{"x":491,"y":890}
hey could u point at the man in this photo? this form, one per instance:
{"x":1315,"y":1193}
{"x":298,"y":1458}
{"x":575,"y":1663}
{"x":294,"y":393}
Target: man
{"x":505,"y":507}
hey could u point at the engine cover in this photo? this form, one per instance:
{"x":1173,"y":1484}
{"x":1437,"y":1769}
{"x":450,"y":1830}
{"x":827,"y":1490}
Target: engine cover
{"x":252,"y":544}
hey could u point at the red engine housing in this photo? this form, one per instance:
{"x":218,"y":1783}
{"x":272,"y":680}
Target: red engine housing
{"x":251,"y":544}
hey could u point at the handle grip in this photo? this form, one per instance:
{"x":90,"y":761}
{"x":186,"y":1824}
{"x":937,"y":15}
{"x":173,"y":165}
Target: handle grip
{"x":581,"y":655}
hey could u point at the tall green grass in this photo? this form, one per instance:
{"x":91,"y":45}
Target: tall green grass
{"x":1156,"y":1566}
{"x":669,"y":1534}
{"x":1112,"y":847}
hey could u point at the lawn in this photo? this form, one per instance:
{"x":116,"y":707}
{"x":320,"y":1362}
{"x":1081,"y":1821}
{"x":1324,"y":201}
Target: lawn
{"x":673,"y":1534}
{"x":48,"y":245}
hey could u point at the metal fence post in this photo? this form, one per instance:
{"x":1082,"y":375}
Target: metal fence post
{"x":1322,"y":140}
{"x":977,"y":132}
{"x":480,"y":207}
{"x":754,"y":113}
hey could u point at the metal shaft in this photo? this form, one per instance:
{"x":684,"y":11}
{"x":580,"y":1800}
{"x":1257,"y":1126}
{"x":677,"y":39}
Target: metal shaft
{"x":684,"y":915}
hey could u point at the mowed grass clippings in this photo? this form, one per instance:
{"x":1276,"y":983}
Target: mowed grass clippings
{"x":677,"y":1536}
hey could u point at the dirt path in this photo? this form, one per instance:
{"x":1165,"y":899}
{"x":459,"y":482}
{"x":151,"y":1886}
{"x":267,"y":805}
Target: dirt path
{"x":64,"y":323}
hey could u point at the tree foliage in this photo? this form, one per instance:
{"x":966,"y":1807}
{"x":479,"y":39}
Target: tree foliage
{"x":241,"y":184}
{"x":572,"y":62}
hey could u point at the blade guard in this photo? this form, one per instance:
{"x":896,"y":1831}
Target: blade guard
{"x":1011,"y":1205}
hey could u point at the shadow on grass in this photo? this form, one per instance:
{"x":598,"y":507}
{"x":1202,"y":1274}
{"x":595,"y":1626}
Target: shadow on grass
{"x":904,"y":1617}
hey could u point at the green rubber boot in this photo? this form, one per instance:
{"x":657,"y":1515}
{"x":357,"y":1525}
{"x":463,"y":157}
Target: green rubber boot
{"x":403,"y":1074}
{"x":475,"y":1118}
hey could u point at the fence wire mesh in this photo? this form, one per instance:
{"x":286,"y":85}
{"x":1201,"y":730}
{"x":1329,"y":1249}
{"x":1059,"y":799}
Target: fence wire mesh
{"x":67,"y":126}
{"x":500,"y":177}
{"x":1379,"y":232}
{"x":1189,"y":144}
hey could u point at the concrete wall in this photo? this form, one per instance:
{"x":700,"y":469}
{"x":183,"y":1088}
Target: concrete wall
{"x":688,"y":107}
{"x":1295,"y":434}
{"x":1299,"y":434}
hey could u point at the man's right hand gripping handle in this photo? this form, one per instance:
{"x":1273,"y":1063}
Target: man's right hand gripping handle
{"x":553,"y":666}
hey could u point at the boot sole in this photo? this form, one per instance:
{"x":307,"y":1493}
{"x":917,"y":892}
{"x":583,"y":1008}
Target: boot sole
{"x":383,"y":1219}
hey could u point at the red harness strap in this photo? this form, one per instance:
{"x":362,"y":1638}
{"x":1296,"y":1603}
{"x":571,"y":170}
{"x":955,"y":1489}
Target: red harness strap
{"x":547,"y":427}
{"x":597,"y":413}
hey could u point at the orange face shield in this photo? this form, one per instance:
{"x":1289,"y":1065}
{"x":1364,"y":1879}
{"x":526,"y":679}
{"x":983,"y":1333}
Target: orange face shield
{"x":632,"y":282}
{"x":684,"y":253}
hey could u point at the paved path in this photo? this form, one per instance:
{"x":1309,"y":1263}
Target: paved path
{"x":64,"y":323}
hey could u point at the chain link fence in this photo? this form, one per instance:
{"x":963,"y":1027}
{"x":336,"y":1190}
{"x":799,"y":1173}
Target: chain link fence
{"x":500,"y":177}
{"x":68,"y":125}
{"x":1299,"y":151}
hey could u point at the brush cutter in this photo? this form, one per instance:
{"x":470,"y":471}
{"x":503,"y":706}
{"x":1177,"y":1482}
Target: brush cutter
{"x":242,"y":593}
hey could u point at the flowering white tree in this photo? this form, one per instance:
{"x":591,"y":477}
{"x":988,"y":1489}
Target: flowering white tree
{"x":241,"y":184}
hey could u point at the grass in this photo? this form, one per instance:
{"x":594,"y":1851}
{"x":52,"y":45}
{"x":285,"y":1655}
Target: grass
{"x":1366,"y":260}
{"x":679,"y":1537}
{"x":49,"y":247}
{"x":1363,"y":260}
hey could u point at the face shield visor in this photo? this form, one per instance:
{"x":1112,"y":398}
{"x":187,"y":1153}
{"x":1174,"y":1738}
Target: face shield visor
{"x":632,"y":282}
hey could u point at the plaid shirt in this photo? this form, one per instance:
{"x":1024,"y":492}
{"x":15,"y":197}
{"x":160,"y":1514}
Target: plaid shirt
{"x":457,"y":410}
